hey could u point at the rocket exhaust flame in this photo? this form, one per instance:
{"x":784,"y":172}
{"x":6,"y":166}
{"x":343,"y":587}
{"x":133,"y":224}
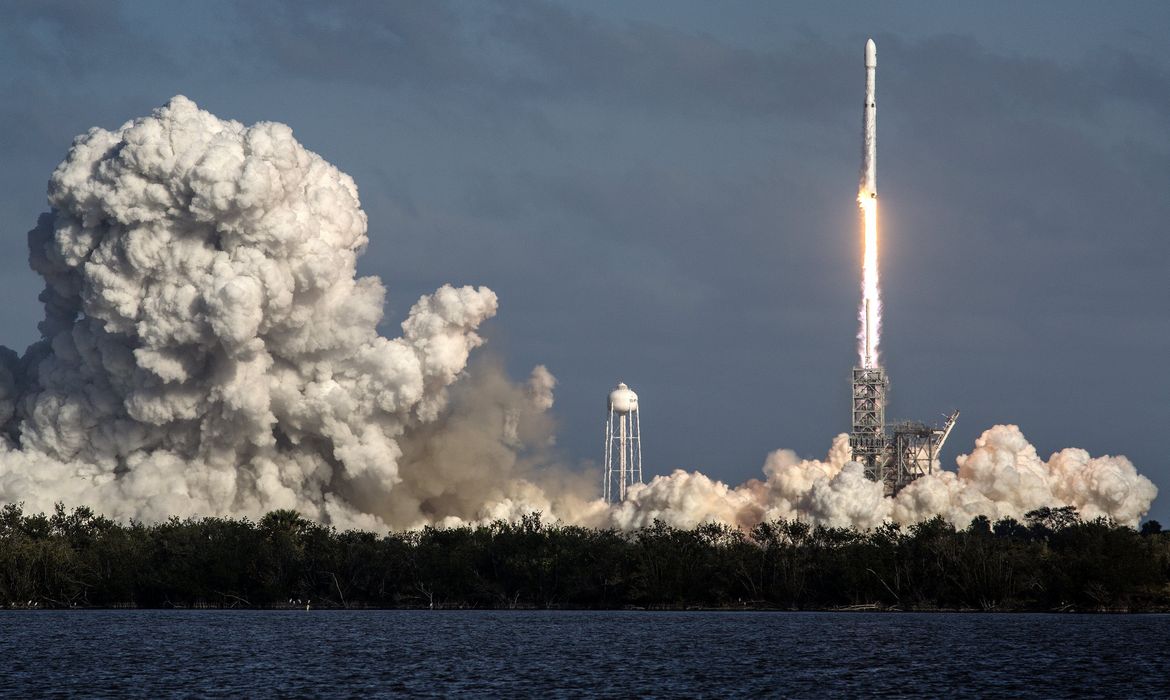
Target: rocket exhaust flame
{"x":869,"y":334}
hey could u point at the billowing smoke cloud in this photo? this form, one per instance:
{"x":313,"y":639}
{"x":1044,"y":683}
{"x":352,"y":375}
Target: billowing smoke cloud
{"x":207,"y":346}
{"x":1002,"y":477}
{"x":208,"y":349}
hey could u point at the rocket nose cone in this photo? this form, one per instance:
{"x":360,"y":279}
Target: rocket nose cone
{"x":870,"y":54}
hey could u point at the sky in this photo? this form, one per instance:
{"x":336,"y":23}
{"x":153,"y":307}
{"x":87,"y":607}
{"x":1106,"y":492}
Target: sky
{"x":663,"y":193}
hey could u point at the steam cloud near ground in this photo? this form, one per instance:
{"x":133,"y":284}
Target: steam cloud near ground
{"x":207,"y":349}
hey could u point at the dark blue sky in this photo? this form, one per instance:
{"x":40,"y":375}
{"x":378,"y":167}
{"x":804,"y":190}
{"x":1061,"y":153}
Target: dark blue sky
{"x":663,"y":193}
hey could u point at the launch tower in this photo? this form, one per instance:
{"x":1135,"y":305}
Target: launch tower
{"x":623,"y":444}
{"x":868,"y":437}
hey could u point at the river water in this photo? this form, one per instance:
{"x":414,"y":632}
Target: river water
{"x":200,"y":653}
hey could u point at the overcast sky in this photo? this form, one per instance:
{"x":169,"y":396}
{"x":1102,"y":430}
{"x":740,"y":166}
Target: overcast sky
{"x":663,"y":193}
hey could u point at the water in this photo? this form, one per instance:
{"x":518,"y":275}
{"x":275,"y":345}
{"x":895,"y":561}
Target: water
{"x":152,"y":654}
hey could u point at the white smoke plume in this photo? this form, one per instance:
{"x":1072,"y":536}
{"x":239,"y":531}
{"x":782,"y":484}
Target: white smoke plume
{"x":1002,"y":477}
{"x":208,"y":349}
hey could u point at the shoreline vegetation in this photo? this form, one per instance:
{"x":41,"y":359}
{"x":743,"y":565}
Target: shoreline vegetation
{"x":1053,"y":561}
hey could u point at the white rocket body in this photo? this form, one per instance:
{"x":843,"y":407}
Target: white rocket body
{"x":869,"y":124}
{"x":867,"y":197}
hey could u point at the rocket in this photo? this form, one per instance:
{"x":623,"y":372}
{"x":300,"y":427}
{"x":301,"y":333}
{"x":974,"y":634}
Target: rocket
{"x":867,"y":198}
{"x":869,"y":125}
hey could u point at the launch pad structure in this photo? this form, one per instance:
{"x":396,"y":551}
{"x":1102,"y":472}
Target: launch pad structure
{"x":899,"y":455}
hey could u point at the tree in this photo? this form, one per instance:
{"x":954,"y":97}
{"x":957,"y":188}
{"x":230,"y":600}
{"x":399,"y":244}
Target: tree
{"x":1045,"y":521}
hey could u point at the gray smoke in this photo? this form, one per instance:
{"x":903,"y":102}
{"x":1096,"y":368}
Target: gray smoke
{"x":207,"y":349}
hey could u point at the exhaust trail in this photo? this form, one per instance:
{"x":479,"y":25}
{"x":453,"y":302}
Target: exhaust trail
{"x":870,"y":313}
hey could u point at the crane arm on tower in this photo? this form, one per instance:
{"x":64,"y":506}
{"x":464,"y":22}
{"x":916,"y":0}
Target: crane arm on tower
{"x":941,"y":434}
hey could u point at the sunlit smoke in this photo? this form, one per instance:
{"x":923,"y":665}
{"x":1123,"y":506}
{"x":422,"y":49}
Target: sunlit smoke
{"x":870,"y":313}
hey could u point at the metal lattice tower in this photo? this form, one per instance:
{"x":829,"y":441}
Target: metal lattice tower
{"x":915,"y":449}
{"x":868,"y":437}
{"x":623,"y":444}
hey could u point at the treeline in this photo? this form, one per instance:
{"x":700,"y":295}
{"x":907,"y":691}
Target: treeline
{"x":1051,"y":561}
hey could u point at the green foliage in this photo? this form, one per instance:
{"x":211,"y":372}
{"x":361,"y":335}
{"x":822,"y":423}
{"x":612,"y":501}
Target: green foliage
{"x":1051,"y":561}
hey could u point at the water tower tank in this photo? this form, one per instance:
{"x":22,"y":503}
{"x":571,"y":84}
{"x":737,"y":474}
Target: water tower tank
{"x":623,"y":399}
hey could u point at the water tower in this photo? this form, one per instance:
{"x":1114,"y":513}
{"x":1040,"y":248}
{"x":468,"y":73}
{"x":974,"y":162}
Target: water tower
{"x":623,"y":444}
